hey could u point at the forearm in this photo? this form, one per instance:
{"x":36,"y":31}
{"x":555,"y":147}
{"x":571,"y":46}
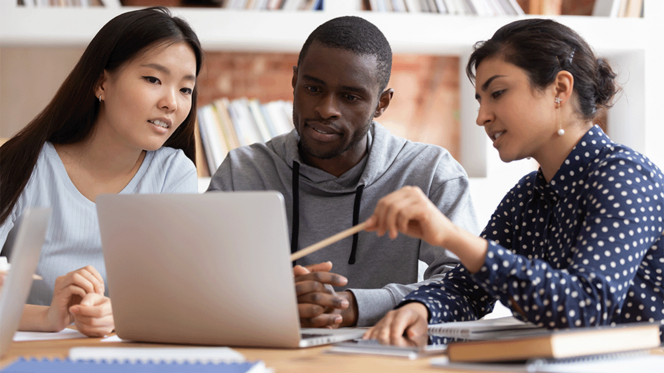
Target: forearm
{"x":349,"y":315}
{"x":35,"y":319}
{"x":470,"y":249}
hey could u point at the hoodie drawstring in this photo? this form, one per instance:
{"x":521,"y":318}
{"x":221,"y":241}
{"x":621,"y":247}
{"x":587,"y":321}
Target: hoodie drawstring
{"x":356,"y":217}
{"x":296,"y":208}
{"x":295,"y":231}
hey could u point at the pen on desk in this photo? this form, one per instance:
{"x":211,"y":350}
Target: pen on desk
{"x":328,"y":241}
{"x":34,"y":277}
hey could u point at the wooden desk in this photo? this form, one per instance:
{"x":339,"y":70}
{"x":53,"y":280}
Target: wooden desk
{"x":281,"y":360}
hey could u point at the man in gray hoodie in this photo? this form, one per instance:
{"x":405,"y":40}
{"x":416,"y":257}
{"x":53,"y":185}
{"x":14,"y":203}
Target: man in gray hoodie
{"x":335,"y":166}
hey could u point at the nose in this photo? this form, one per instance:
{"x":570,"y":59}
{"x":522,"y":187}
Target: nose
{"x":328,"y":107}
{"x":168,"y":101}
{"x":484,"y":116}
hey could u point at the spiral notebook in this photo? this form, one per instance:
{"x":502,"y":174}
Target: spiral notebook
{"x":143,"y":359}
{"x":69,"y":366}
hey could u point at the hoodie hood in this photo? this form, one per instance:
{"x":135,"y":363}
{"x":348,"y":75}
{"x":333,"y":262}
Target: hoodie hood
{"x":382,"y":150}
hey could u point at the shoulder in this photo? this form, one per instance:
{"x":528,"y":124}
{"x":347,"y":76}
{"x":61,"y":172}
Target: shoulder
{"x":169,"y":159}
{"x":620,"y":167}
{"x":417,"y":156}
{"x":168,"y":170}
{"x":435,"y":157}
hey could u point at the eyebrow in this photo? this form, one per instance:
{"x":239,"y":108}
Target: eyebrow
{"x":491,"y":79}
{"x":487,"y":83}
{"x":165,"y":70}
{"x":345,"y":87}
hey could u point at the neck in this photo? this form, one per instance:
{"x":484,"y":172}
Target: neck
{"x":103,"y":155}
{"x":552,"y":156}
{"x":338,"y":165}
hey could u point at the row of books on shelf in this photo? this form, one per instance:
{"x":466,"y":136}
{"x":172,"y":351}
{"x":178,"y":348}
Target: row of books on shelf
{"x":68,"y":3}
{"x":618,"y":8}
{"x":225,"y":125}
{"x":287,"y":5}
{"x":452,"y":7}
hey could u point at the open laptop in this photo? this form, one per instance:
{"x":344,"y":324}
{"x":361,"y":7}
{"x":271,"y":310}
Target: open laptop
{"x":28,"y":241}
{"x":211,"y":269}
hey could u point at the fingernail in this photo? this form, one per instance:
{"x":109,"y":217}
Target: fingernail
{"x":344,"y":303}
{"x":74,"y":309}
{"x":338,"y":320}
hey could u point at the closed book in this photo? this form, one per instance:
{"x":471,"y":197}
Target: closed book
{"x":558,"y":344}
{"x":227,"y":123}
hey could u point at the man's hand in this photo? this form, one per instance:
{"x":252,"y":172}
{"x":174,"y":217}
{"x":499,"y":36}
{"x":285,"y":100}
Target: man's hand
{"x":406,"y":326}
{"x":318,"y":304}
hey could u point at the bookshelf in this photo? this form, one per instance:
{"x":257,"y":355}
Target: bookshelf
{"x":631,"y":44}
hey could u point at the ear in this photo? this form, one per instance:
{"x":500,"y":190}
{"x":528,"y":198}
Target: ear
{"x":101,"y":83}
{"x":563,"y":86}
{"x":383,"y":102}
{"x":294,"y":79}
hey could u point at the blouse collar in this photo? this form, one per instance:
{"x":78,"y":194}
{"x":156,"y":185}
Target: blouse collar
{"x":570,"y":174}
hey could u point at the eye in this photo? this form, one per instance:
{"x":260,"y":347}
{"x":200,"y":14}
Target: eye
{"x":497,"y":94}
{"x":151,"y":79}
{"x":351,"y":97}
{"x":312,"y":89}
{"x":187,"y":91}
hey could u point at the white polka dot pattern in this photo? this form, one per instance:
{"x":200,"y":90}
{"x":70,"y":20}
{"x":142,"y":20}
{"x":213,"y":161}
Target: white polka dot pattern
{"x":584,"y":249}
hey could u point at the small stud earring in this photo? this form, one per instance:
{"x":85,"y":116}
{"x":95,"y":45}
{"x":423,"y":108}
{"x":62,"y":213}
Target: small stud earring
{"x":558,"y":100}
{"x":561,"y":132}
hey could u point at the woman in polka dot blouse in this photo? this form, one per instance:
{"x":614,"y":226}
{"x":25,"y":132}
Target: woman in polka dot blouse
{"x":577,"y":243}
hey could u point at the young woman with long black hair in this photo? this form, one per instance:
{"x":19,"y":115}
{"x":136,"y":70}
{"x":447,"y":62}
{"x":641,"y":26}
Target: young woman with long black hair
{"x":122,"y":122}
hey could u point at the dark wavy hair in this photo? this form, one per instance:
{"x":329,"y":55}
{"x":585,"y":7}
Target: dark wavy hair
{"x":70,"y":116}
{"x":543,"y":48}
{"x":358,"y":36}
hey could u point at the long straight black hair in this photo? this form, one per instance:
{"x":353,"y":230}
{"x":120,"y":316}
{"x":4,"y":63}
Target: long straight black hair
{"x":70,"y":117}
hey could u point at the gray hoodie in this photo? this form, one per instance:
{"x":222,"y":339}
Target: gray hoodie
{"x":380,"y":271}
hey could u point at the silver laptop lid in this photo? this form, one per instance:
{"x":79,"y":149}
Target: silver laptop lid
{"x":209,"y":268}
{"x":25,"y":250}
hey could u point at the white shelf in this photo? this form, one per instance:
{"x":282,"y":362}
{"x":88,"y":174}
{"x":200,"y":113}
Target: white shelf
{"x":632,"y":45}
{"x":220,"y":29}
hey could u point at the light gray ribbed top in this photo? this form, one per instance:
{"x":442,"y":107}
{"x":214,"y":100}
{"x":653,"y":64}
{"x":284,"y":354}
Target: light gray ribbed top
{"x":72,"y":238}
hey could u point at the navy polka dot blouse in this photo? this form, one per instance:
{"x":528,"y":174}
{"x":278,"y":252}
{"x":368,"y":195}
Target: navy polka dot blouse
{"x":584,"y":249}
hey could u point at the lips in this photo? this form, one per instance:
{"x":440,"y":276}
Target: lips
{"x":160,"y":123}
{"x":321,"y":132}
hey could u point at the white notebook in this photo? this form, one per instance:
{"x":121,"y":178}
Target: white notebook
{"x":483,"y":329}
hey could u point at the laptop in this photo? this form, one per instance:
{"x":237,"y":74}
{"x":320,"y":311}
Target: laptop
{"x":208,"y":269}
{"x":26,"y":247}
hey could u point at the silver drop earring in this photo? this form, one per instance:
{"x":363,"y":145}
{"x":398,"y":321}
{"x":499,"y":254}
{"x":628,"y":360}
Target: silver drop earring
{"x":100,"y":98}
{"x":561,"y":131}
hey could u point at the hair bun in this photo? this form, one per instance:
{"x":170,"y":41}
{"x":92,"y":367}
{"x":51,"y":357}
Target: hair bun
{"x":605,"y":85}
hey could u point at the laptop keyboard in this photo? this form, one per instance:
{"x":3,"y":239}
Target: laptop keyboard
{"x":309,"y":336}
